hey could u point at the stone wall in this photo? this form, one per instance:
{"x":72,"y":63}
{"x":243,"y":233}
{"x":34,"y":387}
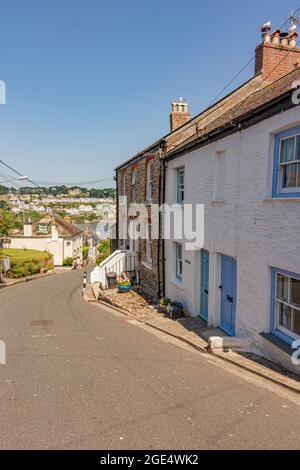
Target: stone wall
{"x":151,"y":274}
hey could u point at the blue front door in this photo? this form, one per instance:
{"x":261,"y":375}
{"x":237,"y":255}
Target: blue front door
{"x":204,"y":285}
{"x":228,"y":294}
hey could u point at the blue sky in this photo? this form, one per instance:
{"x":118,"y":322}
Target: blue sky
{"x":90,"y":82}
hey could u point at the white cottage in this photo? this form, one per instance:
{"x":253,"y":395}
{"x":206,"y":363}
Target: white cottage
{"x":243,"y":165}
{"x":53,"y":234}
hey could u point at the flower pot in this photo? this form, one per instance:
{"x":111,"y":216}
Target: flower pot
{"x":111,"y":280}
{"x":125,"y":288}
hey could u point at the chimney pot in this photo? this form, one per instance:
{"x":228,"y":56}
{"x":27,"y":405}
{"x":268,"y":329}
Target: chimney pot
{"x":276,"y":37}
{"x":293,"y":39}
{"x":284,"y":39}
{"x":266,"y":35}
{"x":270,"y":55}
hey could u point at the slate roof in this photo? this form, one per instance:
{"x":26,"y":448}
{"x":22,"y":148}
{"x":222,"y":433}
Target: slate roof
{"x":252,"y":96}
{"x":65,"y":229}
{"x":179,"y":134}
{"x":255,"y":102}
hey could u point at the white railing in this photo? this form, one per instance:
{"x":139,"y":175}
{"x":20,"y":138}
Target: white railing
{"x":118,"y":262}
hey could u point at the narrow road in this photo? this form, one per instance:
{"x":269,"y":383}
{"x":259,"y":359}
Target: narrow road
{"x":81,"y":377}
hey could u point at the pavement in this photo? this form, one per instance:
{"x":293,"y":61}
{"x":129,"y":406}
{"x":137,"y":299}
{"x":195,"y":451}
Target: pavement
{"x":195,"y":333}
{"x":81,"y":377}
{"x":6,"y":282}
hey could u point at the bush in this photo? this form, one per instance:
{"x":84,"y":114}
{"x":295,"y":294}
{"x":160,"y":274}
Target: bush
{"x":50,"y":266}
{"x":85,"y":251}
{"x":104,"y":250}
{"x":67,"y":262}
{"x":26,"y":262}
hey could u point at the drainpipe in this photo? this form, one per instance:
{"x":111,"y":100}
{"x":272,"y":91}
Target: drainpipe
{"x":161,"y":244}
{"x":159,"y":228}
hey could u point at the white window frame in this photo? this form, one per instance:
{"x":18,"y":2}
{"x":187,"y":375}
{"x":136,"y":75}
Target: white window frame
{"x":287,"y":303}
{"x":149,"y":245}
{"x":219,"y":176}
{"x":180,"y":191}
{"x":282,"y":165}
{"x":178,"y":262}
{"x":150,"y":167}
{"x":123,"y":188}
{"x":133,"y":186}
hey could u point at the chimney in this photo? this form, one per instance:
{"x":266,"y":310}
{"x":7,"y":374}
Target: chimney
{"x":28,"y":228}
{"x":278,"y":54}
{"x":54,"y":231}
{"x":179,"y":115}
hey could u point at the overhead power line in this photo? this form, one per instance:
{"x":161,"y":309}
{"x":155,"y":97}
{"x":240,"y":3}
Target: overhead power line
{"x":235,"y":109}
{"x":295,"y":14}
{"x":18,"y":173}
{"x":79,"y":183}
{"x":257,"y":88}
{"x":38,"y":184}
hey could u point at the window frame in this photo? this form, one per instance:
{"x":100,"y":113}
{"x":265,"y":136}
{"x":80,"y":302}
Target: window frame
{"x":277,"y":190}
{"x":278,"y":330}
{"x":43,"y":228}
{"x":149,"y":245}
{"x":123,"y":185}
{"x":180,"y":188}
{"x":178,"y":262}
{"x":133,"y":186}
{"x":150,"y":179}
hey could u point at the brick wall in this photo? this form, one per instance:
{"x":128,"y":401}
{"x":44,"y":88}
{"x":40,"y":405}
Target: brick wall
{"x":275,"y":61}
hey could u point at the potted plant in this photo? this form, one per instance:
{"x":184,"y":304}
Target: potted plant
{"x":175,"y":310}
{"x":165,"y":302}
{"x":124,"y":284}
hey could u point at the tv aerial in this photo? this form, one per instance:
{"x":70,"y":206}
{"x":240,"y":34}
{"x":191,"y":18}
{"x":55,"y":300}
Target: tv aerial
{"x":293,"y":21}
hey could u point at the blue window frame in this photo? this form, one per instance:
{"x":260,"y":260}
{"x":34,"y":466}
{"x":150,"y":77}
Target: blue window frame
{"x":285,"y":305}
{"x":286,"y":170}
{"x":178,"y":261}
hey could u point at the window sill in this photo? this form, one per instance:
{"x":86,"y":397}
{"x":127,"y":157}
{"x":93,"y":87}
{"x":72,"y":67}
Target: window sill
{"x":180,"y":204}
{"x":276,"y":341}
{"x":282,"y":199}
{"x":177,"y":283}
{"x":147,"y":265}
{"x":218,"y":201}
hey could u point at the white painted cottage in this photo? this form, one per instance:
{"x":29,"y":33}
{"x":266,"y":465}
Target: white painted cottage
{"x":243,"y":164}
{"x":53,"y":234}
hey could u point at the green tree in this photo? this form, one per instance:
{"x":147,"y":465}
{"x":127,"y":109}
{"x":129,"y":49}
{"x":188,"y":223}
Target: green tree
{"x":104,"y":251}
{"x":7,"y":222}
{"x":3,"y":205}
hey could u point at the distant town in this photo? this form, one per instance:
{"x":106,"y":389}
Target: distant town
{"x":83,"y":205}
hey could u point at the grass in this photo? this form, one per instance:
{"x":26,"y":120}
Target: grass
{"x":27,"y":262}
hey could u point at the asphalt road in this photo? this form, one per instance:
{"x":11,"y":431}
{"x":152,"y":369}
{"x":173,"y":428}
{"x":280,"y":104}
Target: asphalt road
{"x":81,"y":377}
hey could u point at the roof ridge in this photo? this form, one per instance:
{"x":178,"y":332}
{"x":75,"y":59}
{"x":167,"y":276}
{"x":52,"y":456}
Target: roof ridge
{"x":192,"y":121}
